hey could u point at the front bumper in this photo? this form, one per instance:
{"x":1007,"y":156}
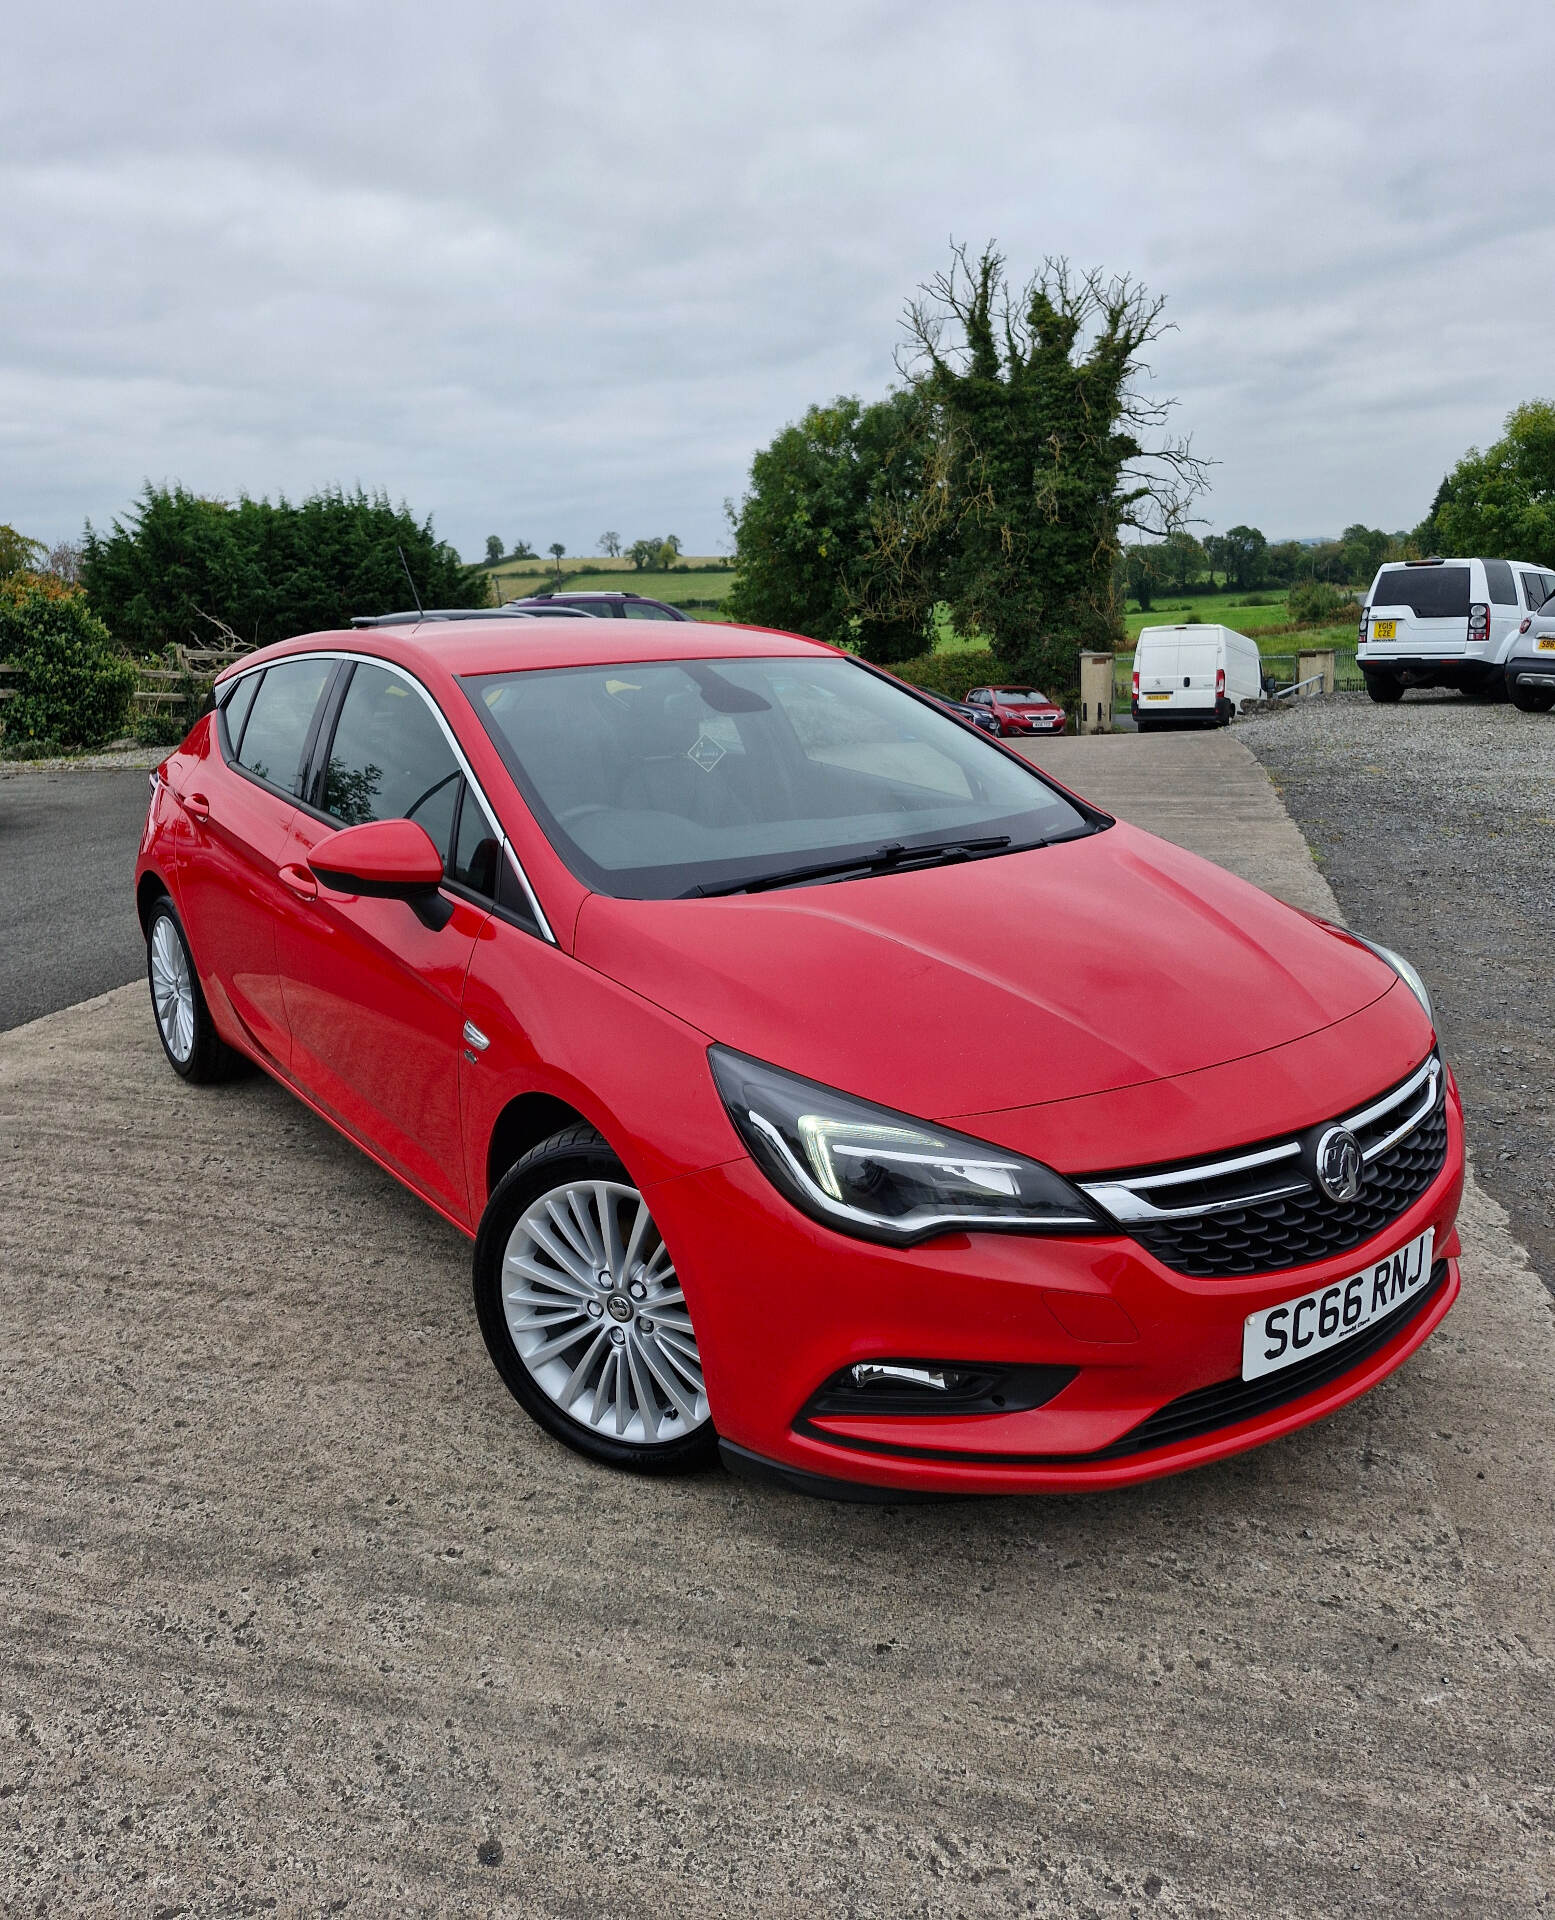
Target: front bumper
{"x":782,"y":1304}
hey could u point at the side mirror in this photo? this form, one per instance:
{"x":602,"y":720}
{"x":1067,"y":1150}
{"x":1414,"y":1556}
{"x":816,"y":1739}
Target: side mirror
{"x":386,"y":860}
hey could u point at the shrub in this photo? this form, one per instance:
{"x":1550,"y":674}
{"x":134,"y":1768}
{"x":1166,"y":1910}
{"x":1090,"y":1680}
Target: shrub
{"x":1314,"y":603}
{"x":74,"y":687}
{"x":950,"y":674}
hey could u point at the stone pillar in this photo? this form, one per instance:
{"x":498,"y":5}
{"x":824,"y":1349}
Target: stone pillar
{"x":1321,"y":660}
{"x":1095,"y":693}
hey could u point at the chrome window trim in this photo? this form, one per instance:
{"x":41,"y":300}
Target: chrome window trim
{"x":1123,"y":1197}
{"x":393,"y":666}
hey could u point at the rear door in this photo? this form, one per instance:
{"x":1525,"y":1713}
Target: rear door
{"x":373,"y":995}
{"x":240,"y":804}
{"x":1421,"y":612}
{"x":1155,"y":660}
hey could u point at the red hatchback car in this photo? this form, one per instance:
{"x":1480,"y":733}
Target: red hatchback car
{"x":648,"y":959}
{"x":1019,"y":709}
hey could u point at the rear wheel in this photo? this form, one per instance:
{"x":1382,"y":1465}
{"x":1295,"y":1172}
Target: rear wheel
{"x":1384,"y":688}
{"x":583,"y":1313}
{"x":1530,"y":699}
{"x":184,"y":1026}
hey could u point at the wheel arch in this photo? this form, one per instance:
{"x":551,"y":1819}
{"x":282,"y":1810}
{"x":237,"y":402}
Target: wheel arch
{"x":149,"y":889}
{"x":523,"y":1123}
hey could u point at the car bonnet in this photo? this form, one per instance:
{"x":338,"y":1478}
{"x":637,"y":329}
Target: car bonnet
{"x":1070,"y":970}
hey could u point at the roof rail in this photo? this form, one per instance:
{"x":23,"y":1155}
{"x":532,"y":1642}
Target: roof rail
{"x":442,"y":613}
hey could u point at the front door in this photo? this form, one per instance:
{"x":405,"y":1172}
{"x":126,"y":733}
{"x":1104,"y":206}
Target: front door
{"x":373,"y":995}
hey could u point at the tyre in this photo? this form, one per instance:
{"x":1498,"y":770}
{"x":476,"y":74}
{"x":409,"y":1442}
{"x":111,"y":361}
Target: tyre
{"x":582,"y":1312}
{"x":1384,"y":688}
{"x":1530,"y":699}
{"x":189,"y":1038}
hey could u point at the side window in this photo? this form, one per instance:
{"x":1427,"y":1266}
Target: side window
{"x":640,"y":610}
{"x":234,"y":709}
{"x":1498,"y":578}
{"x":279,"y":718}
{"x":477,"y":849}
{"x":389,"y":759}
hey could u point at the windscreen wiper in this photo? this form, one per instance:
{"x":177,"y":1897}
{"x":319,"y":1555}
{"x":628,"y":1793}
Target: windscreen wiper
{"x":892,"y":857}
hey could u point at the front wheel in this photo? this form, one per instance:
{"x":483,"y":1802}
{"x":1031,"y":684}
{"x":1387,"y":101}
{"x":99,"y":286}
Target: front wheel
{"x":184,"y":1026}
{"x":583,"y":1313}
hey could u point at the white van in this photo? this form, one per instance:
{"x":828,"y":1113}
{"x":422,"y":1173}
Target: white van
{"x":1444,"y":623}
{"x":1194,"y":675}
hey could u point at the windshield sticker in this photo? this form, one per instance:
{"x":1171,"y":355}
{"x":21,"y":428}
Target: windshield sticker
{"x":706,"y":752}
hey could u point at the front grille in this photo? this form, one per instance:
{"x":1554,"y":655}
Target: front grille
{"x":1229,"y":1402}
{"x":1262,"y":1209}
{"x":1301,"y":1227}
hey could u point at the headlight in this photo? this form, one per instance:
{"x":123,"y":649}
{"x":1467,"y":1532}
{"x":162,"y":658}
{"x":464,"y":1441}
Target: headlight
{"x":882,"y":1175}
{"x":1404,"y":970}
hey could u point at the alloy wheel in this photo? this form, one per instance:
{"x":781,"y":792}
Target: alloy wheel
{"x":172,"y":989}
{"x":595,"y":1312}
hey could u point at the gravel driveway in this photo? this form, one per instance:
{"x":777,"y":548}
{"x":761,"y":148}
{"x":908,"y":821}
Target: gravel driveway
{"x":1434,"y":823}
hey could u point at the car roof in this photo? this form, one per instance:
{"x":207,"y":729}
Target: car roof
{"x":499,"y":645}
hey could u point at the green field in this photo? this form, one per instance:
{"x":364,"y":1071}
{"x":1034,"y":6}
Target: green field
{"x":589,"y":574}
{"x":1214,"y":609}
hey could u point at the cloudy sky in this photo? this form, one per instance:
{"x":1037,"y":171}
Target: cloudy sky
{"x":543,"y":271}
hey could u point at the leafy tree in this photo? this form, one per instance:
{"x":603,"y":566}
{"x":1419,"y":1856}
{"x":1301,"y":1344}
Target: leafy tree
{"x":1142,"y":574}
{"x":1044,"y":439}
{"x":523,"y":551}
{"x":830,"y":539}
{"x":74,"y":684}
{"x":18,"y":554}
{"x":493,"y":548}
{"x":1363,"y":550}
{"x":1286,"y":562}
{"x":610,"y":545}
{"x":669,"y":551}
{"x":1502,"y":501}
{"x":643,"y":553}
{"x":1244,"y":550}
{"x":1181,"y":560}
{"x":180,"y":568}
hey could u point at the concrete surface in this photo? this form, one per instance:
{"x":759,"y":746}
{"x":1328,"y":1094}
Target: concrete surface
{"x":67,"y":867}
{"x":299,"y":1613}
{"x":1432,"y":821}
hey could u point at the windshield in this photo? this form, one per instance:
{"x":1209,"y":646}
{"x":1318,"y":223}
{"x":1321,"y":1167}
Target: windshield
{"x":1020,"y":697}
{"x":656,"y":780}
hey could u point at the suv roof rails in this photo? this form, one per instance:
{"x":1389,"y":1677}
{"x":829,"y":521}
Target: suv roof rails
{"x":584,"y":593}
{"x":446,"y":613}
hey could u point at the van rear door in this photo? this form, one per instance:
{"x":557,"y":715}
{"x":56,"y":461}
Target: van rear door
{"x":1420,"y":612}
{"x":1197,"y":663}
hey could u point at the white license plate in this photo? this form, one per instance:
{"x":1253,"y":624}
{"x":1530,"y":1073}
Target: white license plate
{"x":1297,"y":1329}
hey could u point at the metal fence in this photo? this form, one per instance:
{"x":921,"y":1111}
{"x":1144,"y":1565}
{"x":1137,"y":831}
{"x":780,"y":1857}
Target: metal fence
{"x":1278,"y":667}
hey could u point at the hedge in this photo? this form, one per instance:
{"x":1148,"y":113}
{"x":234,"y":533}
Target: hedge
{"x":74,"y":685}
{"x":950,"y":674}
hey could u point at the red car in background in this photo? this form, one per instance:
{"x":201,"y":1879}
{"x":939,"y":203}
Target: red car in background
{"x":1019,"y":710}
{"x":647,"y":957}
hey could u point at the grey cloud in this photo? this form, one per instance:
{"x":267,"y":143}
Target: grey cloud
{"x":540,"y":272}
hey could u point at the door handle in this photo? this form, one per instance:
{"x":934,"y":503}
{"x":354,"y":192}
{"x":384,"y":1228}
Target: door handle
{"x":301,"y":881}
{"x":196,"y":806}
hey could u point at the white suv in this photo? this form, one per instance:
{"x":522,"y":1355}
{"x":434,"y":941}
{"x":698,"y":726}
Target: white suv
{"x":1444,"y":623}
